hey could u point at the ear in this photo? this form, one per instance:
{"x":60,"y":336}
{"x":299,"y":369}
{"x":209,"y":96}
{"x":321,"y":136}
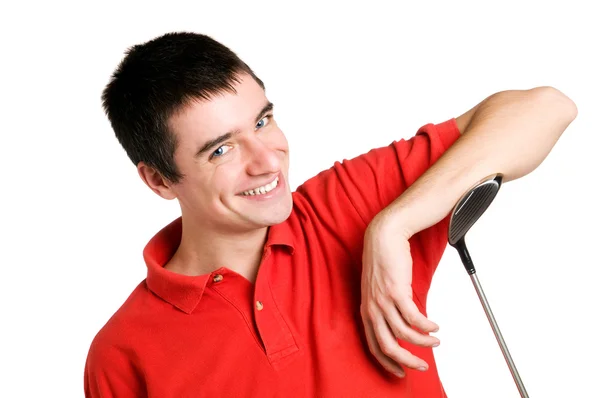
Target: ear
{"x":155,"y":181}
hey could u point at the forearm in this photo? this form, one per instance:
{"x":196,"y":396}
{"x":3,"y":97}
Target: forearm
{"x":510,"y":132}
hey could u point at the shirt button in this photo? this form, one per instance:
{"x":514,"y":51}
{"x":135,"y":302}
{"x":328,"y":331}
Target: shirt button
{"x":218,"y":278}
{"x":259,"y":305}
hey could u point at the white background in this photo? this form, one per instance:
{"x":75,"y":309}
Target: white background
{"x":345,"y":78}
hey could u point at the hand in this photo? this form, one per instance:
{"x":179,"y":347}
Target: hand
{"x":387,"y":307}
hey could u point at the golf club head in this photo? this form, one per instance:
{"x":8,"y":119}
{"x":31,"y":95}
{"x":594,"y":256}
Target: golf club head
{"x":471,"y":206}
{"x":467,"y":211}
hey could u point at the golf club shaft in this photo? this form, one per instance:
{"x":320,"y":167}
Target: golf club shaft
{"x":499,"y":338}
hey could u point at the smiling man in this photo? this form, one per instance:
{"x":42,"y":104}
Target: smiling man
{"x":258,"y":291}
{"x":235,"y":180}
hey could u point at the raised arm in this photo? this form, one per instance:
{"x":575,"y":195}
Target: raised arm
{"x":510,"y":132}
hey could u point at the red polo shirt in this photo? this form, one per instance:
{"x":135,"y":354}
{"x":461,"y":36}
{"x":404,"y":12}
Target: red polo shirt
{"x":297,"y":331}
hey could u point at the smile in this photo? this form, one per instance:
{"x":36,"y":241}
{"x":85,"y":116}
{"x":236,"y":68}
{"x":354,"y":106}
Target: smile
{"x":262,"y":190}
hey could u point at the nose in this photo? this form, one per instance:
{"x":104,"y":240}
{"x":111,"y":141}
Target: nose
{"x":260,"y":158}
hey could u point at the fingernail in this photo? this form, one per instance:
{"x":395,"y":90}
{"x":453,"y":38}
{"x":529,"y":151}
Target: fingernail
{"x":422,"y":368}
{"x":436,"y":344}
{"x":399,"y":374}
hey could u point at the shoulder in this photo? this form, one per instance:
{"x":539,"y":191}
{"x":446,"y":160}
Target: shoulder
{"x":112,"y":366}
{"x":121,"y":331}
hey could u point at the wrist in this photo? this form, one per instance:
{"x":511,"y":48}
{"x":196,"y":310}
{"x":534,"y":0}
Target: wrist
{"x":391,"y":221}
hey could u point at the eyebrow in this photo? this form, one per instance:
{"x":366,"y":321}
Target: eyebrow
{"x":224,"y":137}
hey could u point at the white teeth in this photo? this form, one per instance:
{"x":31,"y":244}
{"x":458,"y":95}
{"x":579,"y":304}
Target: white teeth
{"x":262,"y":190}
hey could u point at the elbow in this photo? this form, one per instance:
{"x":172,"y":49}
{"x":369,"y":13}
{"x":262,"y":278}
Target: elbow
{"x":557,"y":103}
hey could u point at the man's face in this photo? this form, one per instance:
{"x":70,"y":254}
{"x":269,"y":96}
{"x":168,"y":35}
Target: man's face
{"x":234,"y":161}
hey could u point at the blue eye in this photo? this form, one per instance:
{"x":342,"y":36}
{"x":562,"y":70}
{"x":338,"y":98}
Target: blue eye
{"x":263,"y":121}
{"x":222,"y":150}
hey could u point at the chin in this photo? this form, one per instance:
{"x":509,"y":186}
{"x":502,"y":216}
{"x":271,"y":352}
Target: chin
{"x":274,"y":216}
{"x":279,"y":217}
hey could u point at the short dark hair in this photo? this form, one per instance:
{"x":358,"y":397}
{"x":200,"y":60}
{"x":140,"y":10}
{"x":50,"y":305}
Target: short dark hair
{"x":158,"y":78}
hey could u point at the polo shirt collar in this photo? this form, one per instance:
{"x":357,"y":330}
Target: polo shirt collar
{"x":184,"y":291}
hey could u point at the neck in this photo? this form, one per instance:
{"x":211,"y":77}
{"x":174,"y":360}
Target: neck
{"x":203,"y":251}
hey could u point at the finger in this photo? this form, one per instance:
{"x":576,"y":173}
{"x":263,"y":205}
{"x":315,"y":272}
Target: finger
{"x":390,"y":347}
{"x":413,"y":316}
{"x":385,"y":361}
{"x":402,"y":330}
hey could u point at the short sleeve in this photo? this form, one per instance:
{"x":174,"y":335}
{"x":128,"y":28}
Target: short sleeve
{"x":374,"y":180}
{"x":346,"y":197}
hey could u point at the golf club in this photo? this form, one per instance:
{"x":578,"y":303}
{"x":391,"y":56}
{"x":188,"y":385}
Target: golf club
{"x":467,"y":211}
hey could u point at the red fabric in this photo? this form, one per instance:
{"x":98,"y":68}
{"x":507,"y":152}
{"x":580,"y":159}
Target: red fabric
{"x":181,"y":336}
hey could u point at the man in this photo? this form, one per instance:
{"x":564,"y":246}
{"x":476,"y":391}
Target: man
{"x":257,"y":291}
